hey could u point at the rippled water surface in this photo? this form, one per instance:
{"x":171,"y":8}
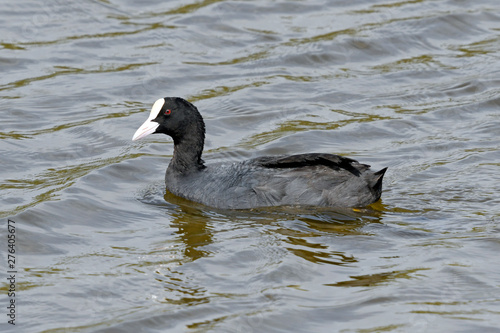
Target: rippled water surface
{"x":412,"y":85}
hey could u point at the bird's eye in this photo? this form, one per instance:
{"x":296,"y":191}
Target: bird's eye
{"x":167,"y":112}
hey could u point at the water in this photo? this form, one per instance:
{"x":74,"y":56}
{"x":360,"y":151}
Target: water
{"x":412,"y":85}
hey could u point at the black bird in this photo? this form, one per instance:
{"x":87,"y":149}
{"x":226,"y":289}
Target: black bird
{"x":313,"y":179}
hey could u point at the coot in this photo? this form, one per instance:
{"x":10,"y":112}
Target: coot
{"x":313,"y":179}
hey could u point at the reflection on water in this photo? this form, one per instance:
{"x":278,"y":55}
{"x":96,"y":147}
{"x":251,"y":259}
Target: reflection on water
{"x":412,"y":85}
{"x":374,"y":279}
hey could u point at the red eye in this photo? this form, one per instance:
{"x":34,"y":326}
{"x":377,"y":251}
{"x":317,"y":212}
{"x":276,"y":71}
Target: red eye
{"x":167,"y":112}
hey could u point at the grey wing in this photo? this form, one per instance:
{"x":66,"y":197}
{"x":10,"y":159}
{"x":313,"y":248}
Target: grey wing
{"x":311,"y":185}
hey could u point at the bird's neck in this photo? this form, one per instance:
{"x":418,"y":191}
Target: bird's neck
{"x":187,"y":153}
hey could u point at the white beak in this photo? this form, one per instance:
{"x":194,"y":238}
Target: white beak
{"x":149,"y":125}
{"x":147,"y":128}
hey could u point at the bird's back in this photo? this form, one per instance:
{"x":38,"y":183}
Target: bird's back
{"x":305,"y":180}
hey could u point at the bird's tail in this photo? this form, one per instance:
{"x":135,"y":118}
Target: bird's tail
{"x":377,"y":181}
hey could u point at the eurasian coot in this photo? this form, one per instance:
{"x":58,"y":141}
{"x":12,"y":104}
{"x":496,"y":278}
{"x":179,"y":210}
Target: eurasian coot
{"x":313,"y":179}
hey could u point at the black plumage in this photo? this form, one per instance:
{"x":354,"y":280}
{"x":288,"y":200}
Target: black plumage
{"x":313,"y":179}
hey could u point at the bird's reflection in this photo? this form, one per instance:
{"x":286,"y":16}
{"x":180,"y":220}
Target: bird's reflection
{"x":292,"y":225}
{"x":288,"y":246}
{"x":192,"y":226}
